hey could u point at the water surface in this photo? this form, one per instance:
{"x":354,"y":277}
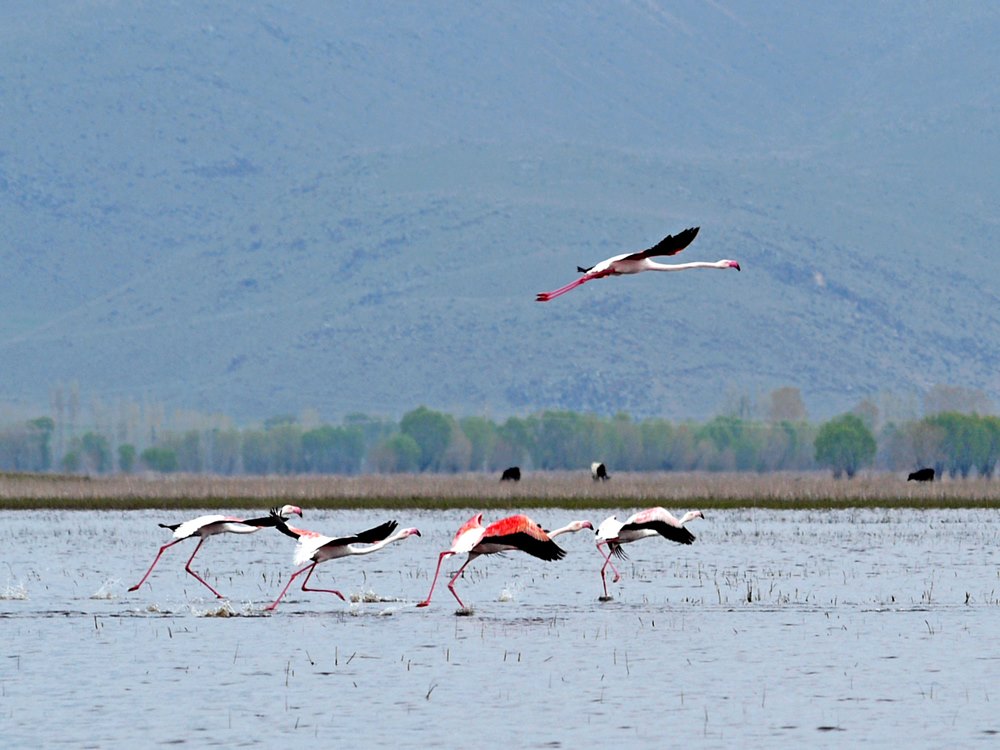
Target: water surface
{"x":775,"y":628}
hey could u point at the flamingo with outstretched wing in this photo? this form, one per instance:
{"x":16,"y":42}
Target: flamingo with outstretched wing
{"x":629,"y":263}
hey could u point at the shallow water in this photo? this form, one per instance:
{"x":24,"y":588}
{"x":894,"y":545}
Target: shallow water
{"x":775,"y":629}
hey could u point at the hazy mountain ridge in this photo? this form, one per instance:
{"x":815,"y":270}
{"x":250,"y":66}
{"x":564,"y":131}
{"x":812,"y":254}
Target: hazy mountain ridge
{"x":257,"y":210}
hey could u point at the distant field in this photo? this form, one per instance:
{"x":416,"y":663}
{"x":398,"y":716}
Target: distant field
{"x":536,"y":490}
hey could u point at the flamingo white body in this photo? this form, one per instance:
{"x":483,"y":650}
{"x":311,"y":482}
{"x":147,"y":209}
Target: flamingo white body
{"x":314,"y":548}
{"x":206,"y":526}
{"x":508,"y":534}
{"x":650,"y":522}
{"x":631,"y":263}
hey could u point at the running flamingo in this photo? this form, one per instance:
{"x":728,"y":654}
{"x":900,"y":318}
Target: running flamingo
{"x":511,"y":533}
{"x":649,"y":522}
{"x":315,"y":548}
{"x":629,"y":263}
{"x":206,"y":526}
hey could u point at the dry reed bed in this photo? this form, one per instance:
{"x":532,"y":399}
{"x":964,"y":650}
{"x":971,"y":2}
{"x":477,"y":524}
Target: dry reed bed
{"x":537,"y":490}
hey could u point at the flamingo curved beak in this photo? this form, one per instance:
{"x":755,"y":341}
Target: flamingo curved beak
{"x":735,"y":265}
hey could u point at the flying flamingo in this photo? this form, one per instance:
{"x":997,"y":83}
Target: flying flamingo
{"x":315,"y":548}
{"x":649,"y":522}
{"x":206,"y":526}
{"x":511,"y":533}
{"x":629,"y":263}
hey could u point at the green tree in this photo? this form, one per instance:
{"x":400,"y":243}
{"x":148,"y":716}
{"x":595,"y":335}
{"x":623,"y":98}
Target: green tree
{"x":333,"y":450}
{"x":483,"y":436}
{"x":966,"y":442}
{"x":158,"y":458}
{"x":845,"y":444}
{"x":458,"y":454}
{"x":657,"y":439}
{"x":279,"y":420}
{"x":44,"y":426}
{"x":914,"y":444}
{"x":254,"y":452}
{"x":431,"y":431}
{"x":126,"y":457}
{"x":24,"y":447}
{"x":284,"y":443}
{"x":374,"y":429}
{"x":70,"y":461}
{"x":517,"y":442}
{"x":564,"y":440}
{"x":187,"y":446}
{"x":735,"y":440}
{"x":619,"y":443}
{"x":223,"y":447}
{"x":399,"y":453}
{"x":95,"y":452}
{"x":988,"y":466}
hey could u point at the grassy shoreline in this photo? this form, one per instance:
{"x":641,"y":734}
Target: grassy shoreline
{"x":569,"y":490}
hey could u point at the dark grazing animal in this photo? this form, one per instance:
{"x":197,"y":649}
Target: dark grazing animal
{"x":921,"y":475}
{"x":513,"y":474}
{"x":599,"y":472}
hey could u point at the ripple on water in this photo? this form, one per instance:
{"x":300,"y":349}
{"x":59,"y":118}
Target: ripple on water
{"x":831,"y":623}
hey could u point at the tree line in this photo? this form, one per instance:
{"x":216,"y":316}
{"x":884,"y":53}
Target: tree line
{"x":425,"y":440}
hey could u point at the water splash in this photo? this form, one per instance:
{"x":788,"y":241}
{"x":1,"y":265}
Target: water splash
{"x":223,"y":610}
{"x":107,"y":589}
{"x":14,"y":591}
{"x":368,"y":596}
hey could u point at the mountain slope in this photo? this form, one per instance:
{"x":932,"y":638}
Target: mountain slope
{"x":257,"y":210}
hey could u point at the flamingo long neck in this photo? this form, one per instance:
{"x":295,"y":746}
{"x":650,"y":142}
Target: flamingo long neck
{"x":654,"y":266}
{"x":690,"y":515}
{"x":570,"y":528}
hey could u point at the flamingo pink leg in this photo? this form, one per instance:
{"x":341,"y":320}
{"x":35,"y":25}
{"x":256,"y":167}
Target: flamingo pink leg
{"x":310,"y":567}
{"x":546,"y":296}
{"x":188,"y":569}
{"x":155,"y":560}
{"x":285,"y":590}
{"x":325,"y":591}
{"x":441,"y":558}
{"x":451,"y":583}
{"x":607,"y":562}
